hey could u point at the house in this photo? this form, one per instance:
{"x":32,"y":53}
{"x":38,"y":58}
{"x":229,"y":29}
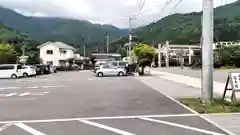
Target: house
{"x":56,"y":53}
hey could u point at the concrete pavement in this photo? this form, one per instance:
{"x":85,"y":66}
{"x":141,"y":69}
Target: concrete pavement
{"x":79,"y":103}
{"x":191,"y":78}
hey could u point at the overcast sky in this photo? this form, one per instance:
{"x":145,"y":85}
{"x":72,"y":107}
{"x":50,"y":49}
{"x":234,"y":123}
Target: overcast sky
{"x":113,"y":12}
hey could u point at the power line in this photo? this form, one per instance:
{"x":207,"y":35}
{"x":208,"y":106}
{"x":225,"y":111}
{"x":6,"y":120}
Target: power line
{"x":180,"y":1}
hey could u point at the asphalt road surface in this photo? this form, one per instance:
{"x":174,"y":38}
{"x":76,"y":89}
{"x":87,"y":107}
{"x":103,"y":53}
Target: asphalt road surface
{"x":78,"y":103}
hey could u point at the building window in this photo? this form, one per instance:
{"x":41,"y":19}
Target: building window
{"x":63,"y":52}
{"x":49,"y":51}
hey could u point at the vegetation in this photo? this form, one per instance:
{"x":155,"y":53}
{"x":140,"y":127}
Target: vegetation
{"x":216,"y":106}
{"x":144,"y":54}
{"x":186,"y":28}
{"x":73,"y":32}
{"x":11,"y":44}
{"x":7,"y":54}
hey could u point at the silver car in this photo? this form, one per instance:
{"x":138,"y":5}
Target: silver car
{"x":109,"y":70}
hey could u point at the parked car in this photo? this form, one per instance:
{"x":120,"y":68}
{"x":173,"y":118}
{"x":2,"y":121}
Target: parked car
{"x":119,"y":64}
{"x":42,"y":69}
{"x":28,"y":70}
{"x":109,"y":70}
{"x":10,"y":71}
{"x":98,"y":64}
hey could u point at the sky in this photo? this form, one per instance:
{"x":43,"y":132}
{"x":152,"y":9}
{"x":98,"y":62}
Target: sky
{"x":115,"y":12}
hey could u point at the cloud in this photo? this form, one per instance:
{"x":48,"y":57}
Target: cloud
{"x":102,"y":11}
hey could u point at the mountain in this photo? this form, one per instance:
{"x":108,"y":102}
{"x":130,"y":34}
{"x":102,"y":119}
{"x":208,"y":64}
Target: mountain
{"x":73,"y":32}
{"x":186,"y":28}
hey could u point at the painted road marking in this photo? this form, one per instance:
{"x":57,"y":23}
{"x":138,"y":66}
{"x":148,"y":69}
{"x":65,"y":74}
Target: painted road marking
{"x":98,"y":118}
{"x":5,"y":127}
{"x":9,"y":88}
{"x":121,"y":132}
{"x":28,"y":129}
{"x":188,"y":108}
{"x":24,"y":94}
{"x":57,"y":86}
{"x":182,"y":126}
{"x":33,"y":87}
{"x":11,"y":94}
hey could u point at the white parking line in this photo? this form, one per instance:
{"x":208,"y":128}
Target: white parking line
{"x":9,"y":88}
{"x":28,"y":129}
{"x":121,"y":132}
{"x":33,"y":87}
{"x":24,"y":94}
{"x":57,"y":86}
{"x":11,"y":94}
{"x":182,"y":126}
{"x":5,"y":127}
{"x":98,"y":118}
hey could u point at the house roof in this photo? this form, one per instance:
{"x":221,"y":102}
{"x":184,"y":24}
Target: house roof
{"x":59,"y":45}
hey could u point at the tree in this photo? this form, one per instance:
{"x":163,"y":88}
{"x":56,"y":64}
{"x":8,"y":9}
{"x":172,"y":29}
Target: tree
{"x":7,"y":54}
{"x":144,"y":54}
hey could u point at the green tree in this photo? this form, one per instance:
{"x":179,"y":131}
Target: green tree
{"x":7,"y":54}
{"x":144,"y":55}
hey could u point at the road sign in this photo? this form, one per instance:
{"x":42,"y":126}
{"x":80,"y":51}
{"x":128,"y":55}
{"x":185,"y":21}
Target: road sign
{"x":234,"y":79}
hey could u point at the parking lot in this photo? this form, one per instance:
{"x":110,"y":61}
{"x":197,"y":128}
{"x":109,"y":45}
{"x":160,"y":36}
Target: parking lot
{"x":78,"y":103}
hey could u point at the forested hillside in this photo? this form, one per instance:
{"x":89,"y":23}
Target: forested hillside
{"x":186,"y":28}
{"x":74,"y":32}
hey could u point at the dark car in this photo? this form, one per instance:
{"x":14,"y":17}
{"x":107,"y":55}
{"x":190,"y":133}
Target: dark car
{"x":42,"y":69}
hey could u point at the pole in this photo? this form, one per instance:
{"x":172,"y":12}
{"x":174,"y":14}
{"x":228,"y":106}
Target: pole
{"x":159,"y":56}
{"x":167,"y":54}
{"x":84,"y":49}
{"x":107,"y":43}
{"x":130,"y":39}
{"x":207,"y":51}
{"x":189,"y":56}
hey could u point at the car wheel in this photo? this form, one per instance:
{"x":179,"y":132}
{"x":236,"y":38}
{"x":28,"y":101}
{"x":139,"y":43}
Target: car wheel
{"x":14,"y":76}
{"x":100,"y":74}
{"x":25,"y":75}
{"x":120,"y":74}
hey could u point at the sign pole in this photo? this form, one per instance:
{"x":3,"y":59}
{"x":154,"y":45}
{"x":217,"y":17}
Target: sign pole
{"x":207,"y":51}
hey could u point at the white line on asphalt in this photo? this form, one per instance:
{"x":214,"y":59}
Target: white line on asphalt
{"x":33,"y":87}
{"x":121,"y":132}
{"x":191,"y":110}
{"x":57,"y":86}
{"x":28,"y":129}
{"x":24,"y":94}
{"x":11,"y":94}
{"x":9,"y":88}
{"x":5,"y":127}
{"x":182,"y":126}
{"x":99,"y":118}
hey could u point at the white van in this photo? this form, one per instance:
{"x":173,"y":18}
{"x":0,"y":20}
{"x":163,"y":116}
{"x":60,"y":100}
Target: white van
{"x":10,"y":71}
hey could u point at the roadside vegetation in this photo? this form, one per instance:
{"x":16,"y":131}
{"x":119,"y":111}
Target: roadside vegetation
{"x":216,"y":106}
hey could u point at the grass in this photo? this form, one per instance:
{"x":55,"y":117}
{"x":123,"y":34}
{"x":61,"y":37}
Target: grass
{"x":216,"y":106}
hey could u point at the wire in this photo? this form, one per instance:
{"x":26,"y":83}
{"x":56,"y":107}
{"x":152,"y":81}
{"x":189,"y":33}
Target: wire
{"x":180,"y":1}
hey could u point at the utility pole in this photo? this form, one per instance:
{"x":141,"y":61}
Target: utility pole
{"x":159,"y":56}
{"x":207,"y":51}
{"x":167,"y":54}
{"x":130,"y":39}
{"x":107,"y":43}
{"x":84,"y":49}
{"x":23,"y":50}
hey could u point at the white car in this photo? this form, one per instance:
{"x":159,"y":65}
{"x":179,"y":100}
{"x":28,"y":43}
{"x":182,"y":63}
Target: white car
{"x":10,"y":71}
{"x":109,"y":70}
{"x":28,"y":70}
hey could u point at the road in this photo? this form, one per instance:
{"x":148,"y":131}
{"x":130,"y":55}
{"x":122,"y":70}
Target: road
{"x":70,"y":103}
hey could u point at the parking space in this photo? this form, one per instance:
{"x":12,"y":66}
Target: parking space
{"x":80,"y":103}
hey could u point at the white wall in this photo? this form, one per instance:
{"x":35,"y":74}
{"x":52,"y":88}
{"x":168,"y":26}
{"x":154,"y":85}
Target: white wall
{"x":56,"y":56}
